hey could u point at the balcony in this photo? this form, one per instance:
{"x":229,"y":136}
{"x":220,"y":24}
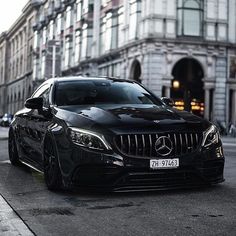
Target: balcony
{"x":66,"y":2}
{"x":69,"y":31}
{"x":42,"y":19}
{"x":79,"y":24}
{"x":58,"y":5}
{"x":36,"y":3}
{"x":50,"y":12}
{"x":36,"y":26}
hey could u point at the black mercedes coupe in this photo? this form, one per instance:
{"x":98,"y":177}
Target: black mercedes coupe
{"x":112,"y":134}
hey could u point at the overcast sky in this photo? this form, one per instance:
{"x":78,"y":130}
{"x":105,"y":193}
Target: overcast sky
{"x":10,"y":10}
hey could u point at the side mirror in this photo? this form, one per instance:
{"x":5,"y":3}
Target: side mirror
{"x":168,"y":101}
{"x":34,"y":103}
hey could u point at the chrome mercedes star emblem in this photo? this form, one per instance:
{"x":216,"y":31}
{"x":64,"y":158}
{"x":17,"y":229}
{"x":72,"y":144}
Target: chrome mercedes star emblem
{"x":163,"y":146}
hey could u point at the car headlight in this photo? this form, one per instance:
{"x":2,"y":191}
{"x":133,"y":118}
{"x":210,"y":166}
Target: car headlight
{"x":211,"y":136}
{"x":88,"y":139}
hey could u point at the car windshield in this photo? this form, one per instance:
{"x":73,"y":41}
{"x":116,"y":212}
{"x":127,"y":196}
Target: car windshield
{"x":88,"y":92}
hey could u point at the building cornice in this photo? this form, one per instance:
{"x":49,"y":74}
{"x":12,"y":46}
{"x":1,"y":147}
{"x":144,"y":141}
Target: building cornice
{"x":3,"y":36}
{"x":26,"y":11}
{"x":116,"y":52}
{"x":31,"y":5}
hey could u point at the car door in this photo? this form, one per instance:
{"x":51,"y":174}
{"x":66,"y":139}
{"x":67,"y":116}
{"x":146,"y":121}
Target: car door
{"x":40,"y":120}
{"x":34,"y":127}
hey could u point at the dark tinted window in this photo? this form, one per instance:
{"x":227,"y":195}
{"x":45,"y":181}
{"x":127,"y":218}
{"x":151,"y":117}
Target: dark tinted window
{"x":102,"y":92}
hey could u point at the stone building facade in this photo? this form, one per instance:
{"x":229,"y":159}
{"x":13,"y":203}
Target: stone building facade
{"x":3,"y":50}
{"x":160,"y":43}
{"x":155,"y":42}
{"x":16,"y":58}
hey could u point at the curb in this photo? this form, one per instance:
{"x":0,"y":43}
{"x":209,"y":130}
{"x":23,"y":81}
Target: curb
{"x":11,"y":222}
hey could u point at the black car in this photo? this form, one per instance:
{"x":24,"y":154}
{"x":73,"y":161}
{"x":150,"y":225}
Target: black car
{"x":113,"y":134}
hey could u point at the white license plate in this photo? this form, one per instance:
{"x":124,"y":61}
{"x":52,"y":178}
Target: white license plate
{"x":164,"y":163}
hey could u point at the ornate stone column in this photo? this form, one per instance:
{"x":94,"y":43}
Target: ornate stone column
{"x":208,"y":86}
{"x":233,"y":118}
{"x":167,"y":84}
{"x":207,"y":104}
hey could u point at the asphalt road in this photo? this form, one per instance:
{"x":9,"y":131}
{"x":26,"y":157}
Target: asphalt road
{"x":205,"y":211}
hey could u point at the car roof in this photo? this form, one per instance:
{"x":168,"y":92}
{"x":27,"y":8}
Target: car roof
{"x":77,"y":78}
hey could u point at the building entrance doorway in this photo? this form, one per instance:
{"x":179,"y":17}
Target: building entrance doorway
{"x":135,"y":73}
{"x":187,"y":86}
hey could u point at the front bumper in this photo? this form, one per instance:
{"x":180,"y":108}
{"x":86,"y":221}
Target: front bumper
{"x":120,"y":173}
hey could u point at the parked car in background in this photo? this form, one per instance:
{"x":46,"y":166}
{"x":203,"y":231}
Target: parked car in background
{"x":6,"y":119}
{"x":113,"y":134}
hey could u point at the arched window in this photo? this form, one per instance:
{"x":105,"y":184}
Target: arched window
{"x":190,"y":17}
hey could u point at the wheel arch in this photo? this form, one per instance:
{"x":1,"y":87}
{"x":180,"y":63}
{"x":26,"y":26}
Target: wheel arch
{"x":50,"y":136}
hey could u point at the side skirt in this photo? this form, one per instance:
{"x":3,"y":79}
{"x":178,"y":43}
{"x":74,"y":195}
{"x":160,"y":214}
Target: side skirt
{"x":32,"y":167}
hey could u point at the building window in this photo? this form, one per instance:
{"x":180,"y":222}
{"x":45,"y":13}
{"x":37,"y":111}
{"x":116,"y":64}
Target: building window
{"x":190,"y":17}
{"x":21,"y":65}
{"x":59,"y":24}
{"x":108,"y":31}
{"x":44,"y":36}
{"x":103,"y":3}
{"x":120,"y":26}
{"x":67,"y":52}
{"x":51,"y":30}
{"x":85,"y":6}
{"x":102,"y":35}
{"x":35,"y":70}
{"x":30,"y":28}
{"x":43,"y":66}
{"x":135,"y":14}
{"x":36,"y":40}
{"x":77,"y":46}
{"x":17,"y":67}
{"x":84,"y":41}
{"x":78,"y":10}
{"x":68,"y":17}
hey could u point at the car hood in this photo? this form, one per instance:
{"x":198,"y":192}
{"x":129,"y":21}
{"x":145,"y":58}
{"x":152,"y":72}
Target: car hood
{"x":123,"y":118}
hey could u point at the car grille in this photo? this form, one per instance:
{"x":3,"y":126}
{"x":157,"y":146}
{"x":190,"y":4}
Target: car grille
{"x":143,"y":145}
{"x":158,"y":180}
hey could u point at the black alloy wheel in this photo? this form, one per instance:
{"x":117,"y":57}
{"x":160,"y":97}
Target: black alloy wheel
{"x":52,"y":172}
{"x":12,"y":149}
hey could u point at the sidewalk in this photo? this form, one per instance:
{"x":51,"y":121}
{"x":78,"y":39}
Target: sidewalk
{"x":10,"y":222}
{"x":3,"y":133}
{"x":228,"y":139}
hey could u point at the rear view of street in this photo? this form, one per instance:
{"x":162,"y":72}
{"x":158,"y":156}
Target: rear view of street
{"x":31,"y":209}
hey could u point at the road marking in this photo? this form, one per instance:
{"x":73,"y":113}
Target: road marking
{"x":10,"y":222}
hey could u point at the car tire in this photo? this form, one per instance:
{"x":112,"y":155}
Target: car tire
{"x":52,"y":172}
{"x":12,"y":149}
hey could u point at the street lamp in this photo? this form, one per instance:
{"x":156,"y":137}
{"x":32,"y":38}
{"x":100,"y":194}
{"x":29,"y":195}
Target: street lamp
{"x":176,"y":84}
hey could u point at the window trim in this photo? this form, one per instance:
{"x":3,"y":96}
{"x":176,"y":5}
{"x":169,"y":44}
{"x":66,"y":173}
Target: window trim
{"x":47,"y":86}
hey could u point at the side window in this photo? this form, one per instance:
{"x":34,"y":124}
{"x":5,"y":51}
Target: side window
{"x":43,"y":92}
{"x":45,"y":97}
{"x":40,"y":90}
